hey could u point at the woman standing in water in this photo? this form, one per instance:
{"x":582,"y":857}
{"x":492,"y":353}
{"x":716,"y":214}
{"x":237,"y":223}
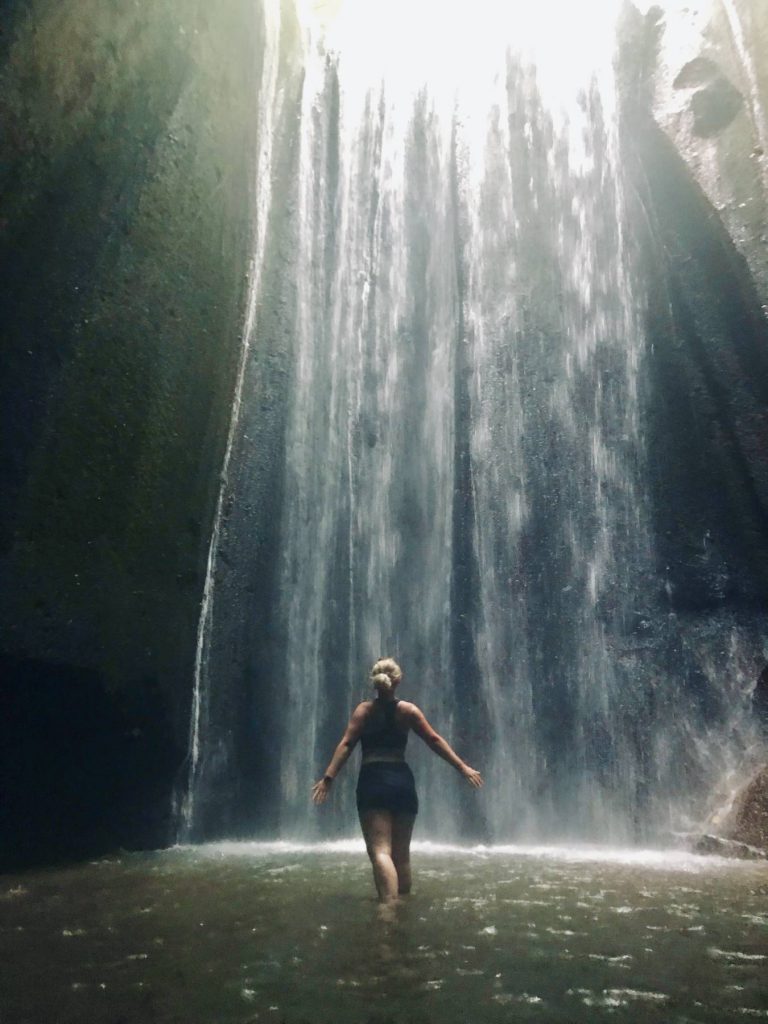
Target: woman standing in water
{"x":386,"y":794}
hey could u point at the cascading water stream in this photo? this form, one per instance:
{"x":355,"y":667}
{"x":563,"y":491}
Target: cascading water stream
{"x":555,"y":444}
{"x":270,"y":12}
{"x":462,"y":477}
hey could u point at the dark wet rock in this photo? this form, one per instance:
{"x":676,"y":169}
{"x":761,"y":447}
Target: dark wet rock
{"x":707,"y":411}
{"x":82,"y":770}
{"x":696,"y":72}
{"x":715,"y":106}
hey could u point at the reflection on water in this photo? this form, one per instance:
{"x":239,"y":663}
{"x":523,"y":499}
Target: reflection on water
{"x":291,"y":933}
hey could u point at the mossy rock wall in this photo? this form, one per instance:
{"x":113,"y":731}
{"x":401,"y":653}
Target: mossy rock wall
{"x":126,"y":167}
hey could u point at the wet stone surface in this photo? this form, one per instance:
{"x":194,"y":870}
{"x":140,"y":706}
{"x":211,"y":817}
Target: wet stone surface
{"x":244,"y":933}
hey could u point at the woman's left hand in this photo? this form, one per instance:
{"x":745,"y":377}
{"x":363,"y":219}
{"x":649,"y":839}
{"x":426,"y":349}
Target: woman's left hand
{"x":320,"y":792}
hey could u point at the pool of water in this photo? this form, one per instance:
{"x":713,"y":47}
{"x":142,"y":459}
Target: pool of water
{"x":274,"y":933}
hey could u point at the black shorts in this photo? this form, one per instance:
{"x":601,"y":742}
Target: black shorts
{"x":387,"y":786}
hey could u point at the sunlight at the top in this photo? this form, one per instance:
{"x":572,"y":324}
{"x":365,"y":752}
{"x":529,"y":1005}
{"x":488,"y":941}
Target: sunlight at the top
{"x":450,"y":45}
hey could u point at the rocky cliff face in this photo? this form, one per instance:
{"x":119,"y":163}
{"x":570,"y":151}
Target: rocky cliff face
{"x":696,"y":86}
{"x":697,"y":102}
{"x":125,"y":231}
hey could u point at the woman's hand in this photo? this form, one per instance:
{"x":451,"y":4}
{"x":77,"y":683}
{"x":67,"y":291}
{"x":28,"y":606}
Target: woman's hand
{"x":320,"y":791}
{"x":341,"y":754}
{"x":474,"y":778}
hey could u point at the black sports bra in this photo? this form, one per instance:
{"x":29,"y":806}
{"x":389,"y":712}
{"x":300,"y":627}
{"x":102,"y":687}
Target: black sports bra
{"x":381,"y":731}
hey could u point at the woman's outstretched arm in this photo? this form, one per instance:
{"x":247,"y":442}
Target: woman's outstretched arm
{"x":441,"y":747}
{"x":341,"y":753}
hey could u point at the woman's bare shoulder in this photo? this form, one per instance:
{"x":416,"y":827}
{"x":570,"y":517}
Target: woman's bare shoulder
{"x":408,"y":709}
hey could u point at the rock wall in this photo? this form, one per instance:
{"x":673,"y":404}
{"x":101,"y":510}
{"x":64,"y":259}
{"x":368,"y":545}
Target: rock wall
{"x":696,"y":92}
{"x":125,"y":175}
{"x":696,"y":83}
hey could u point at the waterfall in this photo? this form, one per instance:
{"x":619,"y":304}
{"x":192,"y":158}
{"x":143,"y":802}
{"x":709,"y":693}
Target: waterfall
{"x":447,"y":370}
{"x":554,"y":349}
{"x":463,"y":447}
{"x":366,"y":546}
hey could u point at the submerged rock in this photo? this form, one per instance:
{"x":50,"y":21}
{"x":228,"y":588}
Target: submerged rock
{"x":707,"y":843}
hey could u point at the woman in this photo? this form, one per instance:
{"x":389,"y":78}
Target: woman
{"x":386,"y":794}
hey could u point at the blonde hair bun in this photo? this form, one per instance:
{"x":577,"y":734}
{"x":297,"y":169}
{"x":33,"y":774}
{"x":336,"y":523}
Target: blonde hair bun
{"x":386,"y":674}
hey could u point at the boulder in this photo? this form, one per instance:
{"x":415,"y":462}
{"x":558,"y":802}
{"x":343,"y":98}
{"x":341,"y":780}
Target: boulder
{"x":715,"y":106}
{"x":747,"y":819}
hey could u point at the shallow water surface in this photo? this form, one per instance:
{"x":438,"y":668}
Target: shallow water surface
{"x":288,"y":933}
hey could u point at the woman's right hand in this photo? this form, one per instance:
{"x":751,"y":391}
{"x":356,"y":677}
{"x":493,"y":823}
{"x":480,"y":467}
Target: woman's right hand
{"x":320,"y":792}
{"x":474,"y":778}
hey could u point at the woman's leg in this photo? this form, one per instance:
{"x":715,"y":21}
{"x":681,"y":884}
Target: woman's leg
{"x":377,"y":829}
{"x":402,"y":828}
